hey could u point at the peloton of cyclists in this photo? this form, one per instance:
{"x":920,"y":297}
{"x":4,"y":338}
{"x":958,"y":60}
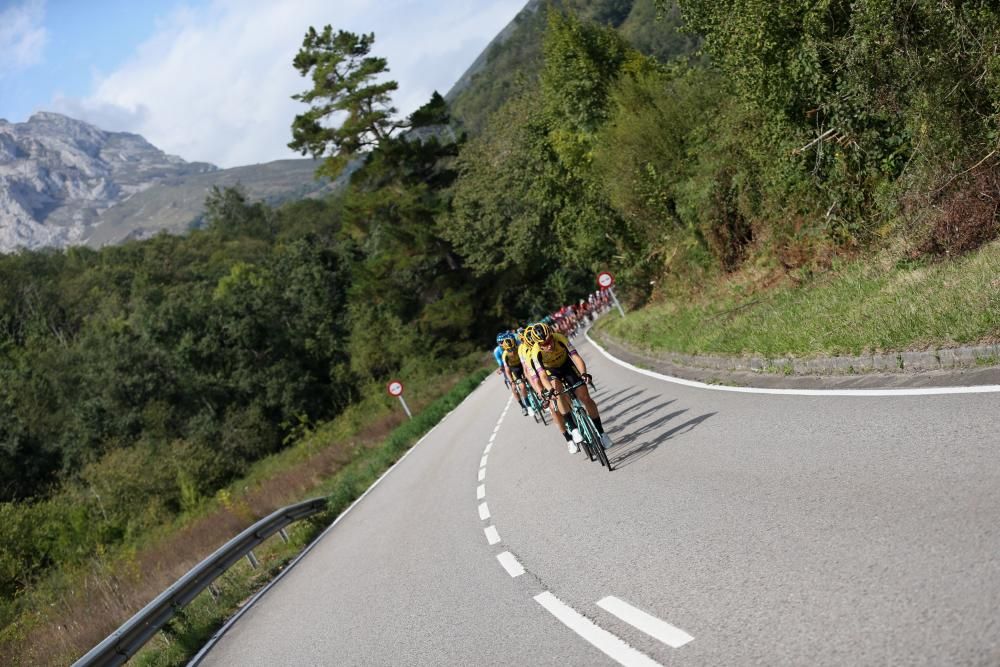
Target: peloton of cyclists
{"x":555,"y":364}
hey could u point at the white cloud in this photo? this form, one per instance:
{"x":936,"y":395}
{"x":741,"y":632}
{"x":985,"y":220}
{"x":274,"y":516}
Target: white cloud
{"x":215,"y":83}
{"x":22,"y":36}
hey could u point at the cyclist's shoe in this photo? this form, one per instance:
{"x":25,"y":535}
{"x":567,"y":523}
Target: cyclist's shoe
{"x":572,"y":447}
{"x":577,"y":438}
{"x":524,"y":410}
{"x":606,"y":441}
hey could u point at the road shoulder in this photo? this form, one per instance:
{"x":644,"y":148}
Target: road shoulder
{"x":722,"y":375}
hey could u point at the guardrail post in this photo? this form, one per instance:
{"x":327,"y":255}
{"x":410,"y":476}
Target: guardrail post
{"x":252,"y":558}
{"x":214,"y":590}
{"x":284,"y":535}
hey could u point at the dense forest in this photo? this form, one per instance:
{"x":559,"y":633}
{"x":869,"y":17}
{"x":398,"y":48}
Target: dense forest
{"x":768,"y":139}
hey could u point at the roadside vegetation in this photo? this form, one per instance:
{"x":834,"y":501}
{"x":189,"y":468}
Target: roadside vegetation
{"x":763,"y":195}
{"x":865,"y":306}
{"x":782,"y":178}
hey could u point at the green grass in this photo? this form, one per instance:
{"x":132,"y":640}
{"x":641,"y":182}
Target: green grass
{"x":866,"y":306}
{"x":187,"y":632}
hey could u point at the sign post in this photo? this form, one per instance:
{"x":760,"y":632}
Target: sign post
{"x":395,"y":388}
{"x":607,"y":281}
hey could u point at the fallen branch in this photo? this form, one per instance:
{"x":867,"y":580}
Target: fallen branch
{"x":815,"y":141}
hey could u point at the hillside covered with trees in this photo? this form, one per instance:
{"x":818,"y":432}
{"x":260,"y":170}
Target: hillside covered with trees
{"x":137,"y":380}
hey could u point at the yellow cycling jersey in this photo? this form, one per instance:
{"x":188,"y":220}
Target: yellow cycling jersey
{"x":512,"y":358}
{"x":554,"y":357}
{"x":523,"y":350}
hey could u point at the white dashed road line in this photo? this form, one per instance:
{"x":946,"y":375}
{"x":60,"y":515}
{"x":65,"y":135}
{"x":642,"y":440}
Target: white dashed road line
{"x":609,"y":644}
{"x":652,"y":626}
{"x":510,"y":563}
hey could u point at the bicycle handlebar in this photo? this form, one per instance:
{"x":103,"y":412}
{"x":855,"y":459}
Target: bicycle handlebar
{"x":579,"y":383}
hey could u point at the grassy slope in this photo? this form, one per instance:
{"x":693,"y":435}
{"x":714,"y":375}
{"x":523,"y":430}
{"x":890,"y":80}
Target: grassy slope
{"x":864,"y":306}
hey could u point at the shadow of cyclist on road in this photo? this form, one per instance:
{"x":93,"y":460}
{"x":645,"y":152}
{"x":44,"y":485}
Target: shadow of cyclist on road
{"x":626,"y":453}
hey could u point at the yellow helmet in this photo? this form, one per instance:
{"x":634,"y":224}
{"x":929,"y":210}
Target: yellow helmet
{"x":508,"y":343}
{"x":537,"y":333}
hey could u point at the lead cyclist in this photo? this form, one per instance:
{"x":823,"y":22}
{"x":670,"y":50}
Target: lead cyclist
{"x":562,"y":366}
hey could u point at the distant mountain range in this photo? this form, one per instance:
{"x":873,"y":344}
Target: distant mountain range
{"x":65,"y":182}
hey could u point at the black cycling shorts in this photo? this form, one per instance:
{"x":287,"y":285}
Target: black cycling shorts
{"x":517,"y":372}
{"x":567,"y":373}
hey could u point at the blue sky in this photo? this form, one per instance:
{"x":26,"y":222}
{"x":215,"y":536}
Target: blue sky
{"x":211,"y":79}
{"x":79,"y":44}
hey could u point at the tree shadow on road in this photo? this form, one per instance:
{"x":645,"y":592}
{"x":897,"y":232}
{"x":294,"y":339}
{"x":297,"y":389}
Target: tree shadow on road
{"x":634,"y":452}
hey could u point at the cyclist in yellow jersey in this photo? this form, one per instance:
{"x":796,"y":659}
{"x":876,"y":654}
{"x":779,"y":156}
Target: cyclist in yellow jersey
{"x":533,"y":371}
{"x":523,"y":350}
{"x":514,"y":370}
{"x":556,"y":363}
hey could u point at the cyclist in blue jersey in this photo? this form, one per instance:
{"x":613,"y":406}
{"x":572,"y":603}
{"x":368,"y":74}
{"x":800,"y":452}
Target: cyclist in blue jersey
{"x":498,"y":356}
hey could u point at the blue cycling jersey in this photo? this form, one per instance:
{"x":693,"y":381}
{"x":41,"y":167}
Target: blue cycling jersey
{"x":498,"y":355}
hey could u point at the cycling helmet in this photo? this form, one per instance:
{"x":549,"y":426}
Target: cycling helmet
{"x":537,"y":333}
{"x":500,"y":337}
{"x":508,"y":342}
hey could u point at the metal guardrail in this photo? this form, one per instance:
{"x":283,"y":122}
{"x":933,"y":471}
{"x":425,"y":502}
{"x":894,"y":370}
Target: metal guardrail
{"x":130,"y":637}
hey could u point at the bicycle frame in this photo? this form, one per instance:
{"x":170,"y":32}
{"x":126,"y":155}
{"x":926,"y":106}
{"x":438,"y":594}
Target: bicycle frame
{"x":591,"y":438}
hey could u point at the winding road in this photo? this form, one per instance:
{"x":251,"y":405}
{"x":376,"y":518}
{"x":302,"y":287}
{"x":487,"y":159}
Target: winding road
{"x":737,"y":529}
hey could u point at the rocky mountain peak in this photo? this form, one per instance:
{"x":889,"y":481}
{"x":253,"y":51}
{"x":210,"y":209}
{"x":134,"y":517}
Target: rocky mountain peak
{"x":58,"y":174}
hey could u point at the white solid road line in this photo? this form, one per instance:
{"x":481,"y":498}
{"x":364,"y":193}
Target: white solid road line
{"x":514,"y":568}
{"x":652,"y":626}
{"x":484,"y":512}
{"x":609,"y":644}
{"x":492,"y":536}
{"x":916,"y":391}
{"x":480,"y":492}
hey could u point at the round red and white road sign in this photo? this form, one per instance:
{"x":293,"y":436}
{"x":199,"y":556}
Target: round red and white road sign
{"x":395,"y":388}
{"x":605,"y":279}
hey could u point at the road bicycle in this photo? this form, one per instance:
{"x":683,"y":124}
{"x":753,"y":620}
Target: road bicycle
{"x":592,"y":445}
{"x":535,"y":403}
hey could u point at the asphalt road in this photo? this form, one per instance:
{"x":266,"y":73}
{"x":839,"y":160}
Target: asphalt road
{"x":742,"y":529}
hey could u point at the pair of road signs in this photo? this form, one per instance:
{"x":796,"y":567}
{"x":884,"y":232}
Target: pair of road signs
{"x":604,"y":279}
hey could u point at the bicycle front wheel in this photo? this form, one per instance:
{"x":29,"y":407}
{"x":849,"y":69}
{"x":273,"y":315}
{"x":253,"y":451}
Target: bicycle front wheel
{"x":587,"y":426}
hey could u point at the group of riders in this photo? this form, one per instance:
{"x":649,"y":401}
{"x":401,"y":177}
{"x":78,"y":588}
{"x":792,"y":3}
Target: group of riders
{"x":540,"y":358}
